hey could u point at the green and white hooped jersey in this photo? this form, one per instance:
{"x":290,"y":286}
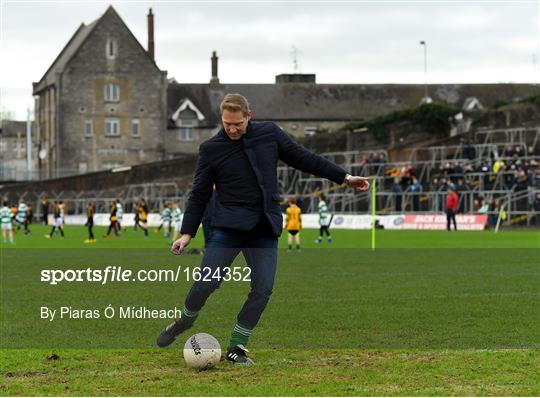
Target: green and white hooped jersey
{"x":177,"y":215}
{"x":5,"y":215}
{"x":324,"y":216}
{"x":21,"y":212}
{"x":166,"y":214}
{"x":119,"y":211}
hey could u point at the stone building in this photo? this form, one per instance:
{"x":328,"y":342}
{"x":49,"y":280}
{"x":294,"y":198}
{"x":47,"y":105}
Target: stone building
{"x":101,"y":104}
{"x":296,"y":102}
{"x":104,"y":103}
{"x":13,"y":154}
{"x":303,"y":107}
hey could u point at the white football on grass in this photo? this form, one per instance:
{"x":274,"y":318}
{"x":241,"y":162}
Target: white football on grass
{"x":202,"y":351}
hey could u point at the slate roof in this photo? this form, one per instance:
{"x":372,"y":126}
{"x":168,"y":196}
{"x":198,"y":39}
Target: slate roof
{"x":65,"y":55}
{"x":281,"y":101}
{"x":74,"y":44}
{"x":334,"y":102}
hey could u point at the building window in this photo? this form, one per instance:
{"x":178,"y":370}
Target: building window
{"x":309,"y":131}
{"x":111,"y":49}
{"x":186,"y":131}
{"x":88,"y":128}
{"x":135,"y":128}
{"x":112,"y":92}
{"x":111,"y":165}
{"x":20,"y":148}
{"x":3,"y":146}
{"x":112,"y":127}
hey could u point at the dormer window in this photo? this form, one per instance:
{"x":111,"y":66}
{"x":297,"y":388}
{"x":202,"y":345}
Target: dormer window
{"x":187,"y":118}
{"x":186,"y":133}
{"x":111,"y":49}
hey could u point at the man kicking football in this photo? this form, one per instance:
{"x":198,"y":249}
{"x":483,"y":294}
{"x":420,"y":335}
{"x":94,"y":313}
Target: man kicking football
{"x":241,"y":160}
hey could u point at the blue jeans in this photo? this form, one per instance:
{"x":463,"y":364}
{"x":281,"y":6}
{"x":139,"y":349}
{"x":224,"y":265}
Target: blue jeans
{"x":207,"y":232}
{"x":259,"y":247}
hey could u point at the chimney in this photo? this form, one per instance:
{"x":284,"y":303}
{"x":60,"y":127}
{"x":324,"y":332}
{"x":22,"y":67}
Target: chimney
{"x":150,"y":19}
{"x":295,"y":78}
{"x":215,"y":78}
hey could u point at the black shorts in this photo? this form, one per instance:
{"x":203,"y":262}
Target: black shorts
{"x":293,"y":231}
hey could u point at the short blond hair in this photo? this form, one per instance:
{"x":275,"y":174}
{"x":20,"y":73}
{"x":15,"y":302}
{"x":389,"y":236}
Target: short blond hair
{"x":235,"y":103}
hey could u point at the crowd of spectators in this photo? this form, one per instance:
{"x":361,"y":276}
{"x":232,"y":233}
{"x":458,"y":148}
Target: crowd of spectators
{"x":518,"y":171}
{"x":374,"y":158}
{"x":514,"y":174}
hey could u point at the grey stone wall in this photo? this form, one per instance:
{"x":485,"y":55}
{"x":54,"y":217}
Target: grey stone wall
{"x":142,"y":95}
{"x":178,"y":170}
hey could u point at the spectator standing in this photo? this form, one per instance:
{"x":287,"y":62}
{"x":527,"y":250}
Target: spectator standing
{"x":398,"y":195}
{"x":536,"y":206}
{"x":416,"y":189}
{"x":521,"y":181}
{"x":452,"y":203}
{"x":498,"y":166}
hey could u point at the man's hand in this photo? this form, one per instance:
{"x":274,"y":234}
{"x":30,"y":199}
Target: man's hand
{"x":358,"y":183}
{"x":180,"y":244}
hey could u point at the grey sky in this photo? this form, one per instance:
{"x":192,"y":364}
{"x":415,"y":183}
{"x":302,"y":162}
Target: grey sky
{"x":342,"y":42}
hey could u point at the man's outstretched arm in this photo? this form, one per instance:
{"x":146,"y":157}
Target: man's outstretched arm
{"x":300,"y":158}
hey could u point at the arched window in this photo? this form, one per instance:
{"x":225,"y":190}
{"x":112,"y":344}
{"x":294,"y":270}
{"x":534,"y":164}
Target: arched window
{"x":111,"y":49}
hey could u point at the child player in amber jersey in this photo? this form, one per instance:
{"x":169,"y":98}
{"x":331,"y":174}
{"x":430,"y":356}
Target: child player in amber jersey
{"x":293,"y":223}
{"x":143,"y":216}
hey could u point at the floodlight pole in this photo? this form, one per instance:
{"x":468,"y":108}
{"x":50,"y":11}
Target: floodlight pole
{"x":373,"y":212}
{"x":29,"y":165}
{"x":424,"y":44}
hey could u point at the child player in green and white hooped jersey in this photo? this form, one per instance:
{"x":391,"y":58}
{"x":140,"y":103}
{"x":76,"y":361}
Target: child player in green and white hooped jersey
{"x":166,"y":217}
{"x":119,"y":215}
{"x":177,"y":217}
{"x":22,"y":217}
{"x":6,"y":219}
{"x":324,"y":220}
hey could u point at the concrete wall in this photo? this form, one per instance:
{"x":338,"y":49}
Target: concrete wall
{"x":179,"y":170}
{"x":298,"y":128}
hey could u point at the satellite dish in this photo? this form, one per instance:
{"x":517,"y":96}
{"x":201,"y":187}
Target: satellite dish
{"x":43,"y":154}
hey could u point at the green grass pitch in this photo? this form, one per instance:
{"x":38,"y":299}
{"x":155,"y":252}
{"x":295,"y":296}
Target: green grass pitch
{"x":427,"y":313}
